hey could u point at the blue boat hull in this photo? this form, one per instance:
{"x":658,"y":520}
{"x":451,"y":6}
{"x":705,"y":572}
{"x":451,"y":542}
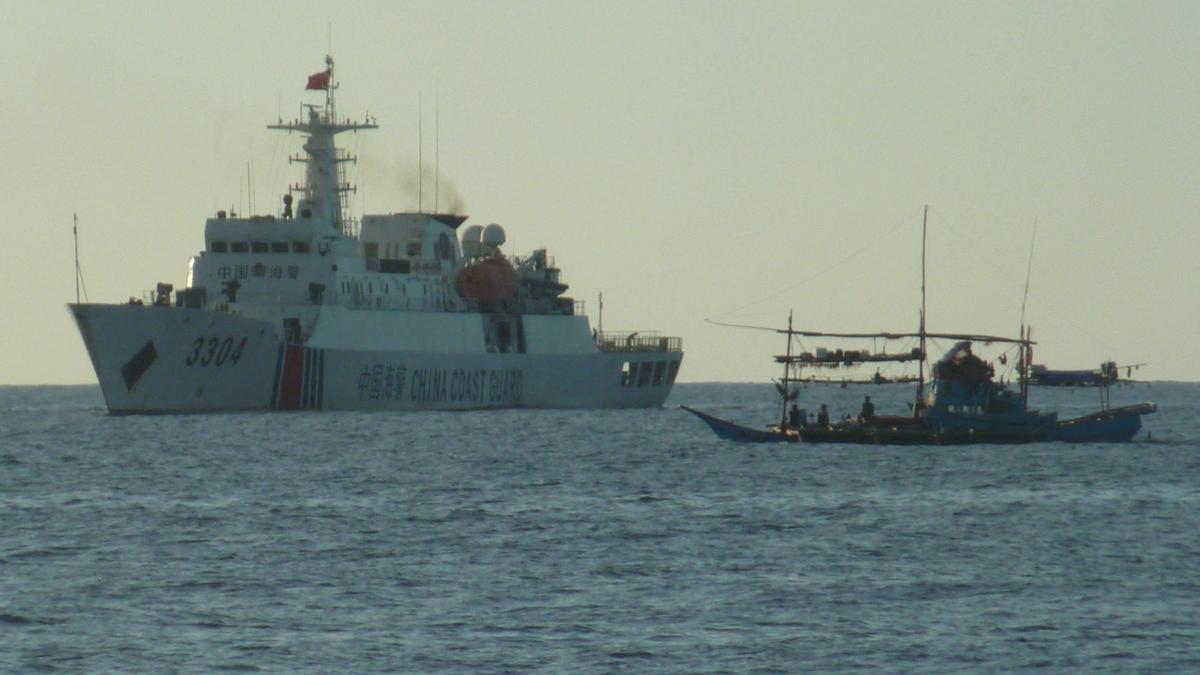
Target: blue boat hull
{"x":1106,"y":426}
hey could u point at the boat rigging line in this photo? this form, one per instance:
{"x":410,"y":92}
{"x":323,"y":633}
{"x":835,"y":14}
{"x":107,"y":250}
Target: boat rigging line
{"x":786,"y":289}
{"x":1028,"y":272}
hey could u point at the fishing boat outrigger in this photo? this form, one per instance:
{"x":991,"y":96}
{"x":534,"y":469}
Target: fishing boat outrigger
{"x":1106,"y":375}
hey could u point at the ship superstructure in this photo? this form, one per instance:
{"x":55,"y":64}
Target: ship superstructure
{"x":308,"y":308}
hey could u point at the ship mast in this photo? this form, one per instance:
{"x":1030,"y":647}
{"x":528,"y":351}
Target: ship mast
{"x":324,"y":179}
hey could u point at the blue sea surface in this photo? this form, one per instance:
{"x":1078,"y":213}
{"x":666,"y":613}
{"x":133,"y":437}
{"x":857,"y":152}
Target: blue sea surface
{"x":589,"y":541}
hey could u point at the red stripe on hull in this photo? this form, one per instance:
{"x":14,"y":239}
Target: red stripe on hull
{"x":290,"y":383}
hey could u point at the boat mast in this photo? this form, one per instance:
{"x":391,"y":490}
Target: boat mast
{"x":920,"y":402}
{"x":1026,"y":356}
{"x":1024,"y":361}
{"x":787,"y":364}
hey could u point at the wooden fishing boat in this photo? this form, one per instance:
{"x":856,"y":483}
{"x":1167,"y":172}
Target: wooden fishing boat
{"x":963,"y":405}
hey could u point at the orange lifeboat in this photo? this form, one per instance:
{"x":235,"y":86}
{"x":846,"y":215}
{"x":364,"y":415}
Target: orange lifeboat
{"x":488,"y":279}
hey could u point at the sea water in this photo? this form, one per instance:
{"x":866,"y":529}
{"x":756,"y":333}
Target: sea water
{"x":589,"y":541}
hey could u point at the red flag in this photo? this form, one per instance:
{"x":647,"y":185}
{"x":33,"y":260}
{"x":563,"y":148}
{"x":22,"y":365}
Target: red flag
{"x":318,"y":80}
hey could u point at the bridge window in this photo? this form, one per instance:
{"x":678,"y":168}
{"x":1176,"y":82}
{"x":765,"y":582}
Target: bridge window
{"x":392,"y":266}
{"x":258,"y":246}
{"x":279,"y":247}
{"x":660,"y":370}
{"x":300,"y":247}
{"x":217,"y":246}
{"x":238,"y":247}
{"x":627,"y":374}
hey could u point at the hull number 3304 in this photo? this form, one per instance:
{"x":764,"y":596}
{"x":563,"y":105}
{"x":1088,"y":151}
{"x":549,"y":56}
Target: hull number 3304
{"x":215,"y":351}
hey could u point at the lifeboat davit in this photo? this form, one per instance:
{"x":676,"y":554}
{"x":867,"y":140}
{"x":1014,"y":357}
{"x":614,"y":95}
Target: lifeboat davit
{"x":488,"y":279}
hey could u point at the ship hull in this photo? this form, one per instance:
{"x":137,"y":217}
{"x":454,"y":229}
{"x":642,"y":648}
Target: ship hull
{"x":151,"y":359}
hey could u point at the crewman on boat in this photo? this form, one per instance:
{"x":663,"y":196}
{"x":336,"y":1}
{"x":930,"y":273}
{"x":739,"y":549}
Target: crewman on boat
{"x":794,"y":420}
{"x":868,"y":410}
{"x":823,"y":416}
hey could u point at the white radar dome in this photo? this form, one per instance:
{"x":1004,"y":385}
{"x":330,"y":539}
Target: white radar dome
{"x":493,"y":235}
{"x":471,"y":238}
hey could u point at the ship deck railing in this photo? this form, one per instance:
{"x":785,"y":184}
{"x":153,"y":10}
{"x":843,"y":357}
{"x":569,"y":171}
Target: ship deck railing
{"x":637,"y":341}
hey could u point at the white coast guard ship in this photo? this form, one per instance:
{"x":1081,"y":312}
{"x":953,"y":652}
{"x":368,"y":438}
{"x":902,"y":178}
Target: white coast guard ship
{"x":308,"y":309}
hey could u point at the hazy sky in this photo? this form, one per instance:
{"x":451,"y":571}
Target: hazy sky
{"x":689,"y":160}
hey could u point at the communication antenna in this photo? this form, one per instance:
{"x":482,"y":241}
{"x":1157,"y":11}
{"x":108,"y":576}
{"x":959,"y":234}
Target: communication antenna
{"x":437,"y":127}
{"x":420,"y":150}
